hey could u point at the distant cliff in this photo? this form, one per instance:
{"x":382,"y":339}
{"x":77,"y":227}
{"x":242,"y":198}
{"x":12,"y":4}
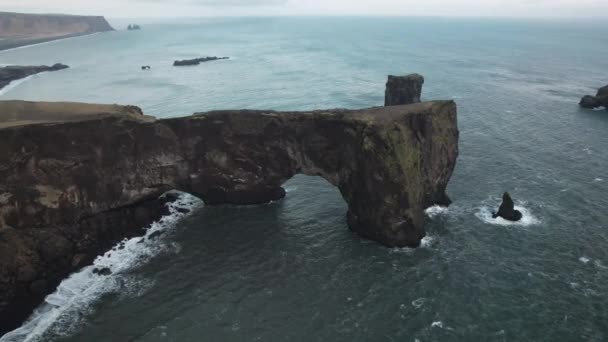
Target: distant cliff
{"x":18,"y":29}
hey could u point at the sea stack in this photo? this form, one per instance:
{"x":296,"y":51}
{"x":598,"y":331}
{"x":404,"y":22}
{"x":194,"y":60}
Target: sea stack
{"x":507,"y":209}
{"x":597,"y":101}
{"x":403,"y":90}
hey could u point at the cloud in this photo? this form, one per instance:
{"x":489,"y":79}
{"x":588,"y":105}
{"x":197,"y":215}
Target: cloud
{"x":198,"y":8}
{"x":222,"y":3}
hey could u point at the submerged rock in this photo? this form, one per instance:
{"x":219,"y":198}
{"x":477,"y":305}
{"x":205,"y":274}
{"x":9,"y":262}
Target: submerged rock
{"x":403,"y":90}
{"x":597,"y":101}
{"x":13,"y":73}
{"x":197,"y":61}
{"x":507,"y":209}
{"x":105,"y":271}
{"x":156,"y":234}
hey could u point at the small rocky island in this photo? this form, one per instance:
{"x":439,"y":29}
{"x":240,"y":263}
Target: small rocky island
{"x":597,"y":101}
{"x":133,"y":27}
{"x":197,"y":61}
{"x":507,"y":209}
{"x":12,"y":73}
{"x":100,"y":173}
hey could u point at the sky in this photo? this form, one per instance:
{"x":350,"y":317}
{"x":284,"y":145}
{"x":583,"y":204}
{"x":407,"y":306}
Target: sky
{"x":193,"y":8}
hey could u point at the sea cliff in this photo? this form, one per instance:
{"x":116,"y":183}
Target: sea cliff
{"x":79,"y":178}
{"x":19,"y":29}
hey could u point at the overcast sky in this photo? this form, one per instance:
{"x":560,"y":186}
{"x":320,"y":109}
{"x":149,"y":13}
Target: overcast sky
{"x":180,"y":8}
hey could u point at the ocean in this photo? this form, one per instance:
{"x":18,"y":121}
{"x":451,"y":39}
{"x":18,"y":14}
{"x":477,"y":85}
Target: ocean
{"x":291,"y":270}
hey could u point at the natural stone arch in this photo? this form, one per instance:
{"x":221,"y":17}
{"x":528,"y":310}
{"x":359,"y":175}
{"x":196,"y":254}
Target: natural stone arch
{"x":389,"y":163}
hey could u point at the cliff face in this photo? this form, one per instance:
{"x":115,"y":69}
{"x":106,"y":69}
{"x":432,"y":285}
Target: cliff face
{"x":20,"y":29}
{"x":73,"y":188}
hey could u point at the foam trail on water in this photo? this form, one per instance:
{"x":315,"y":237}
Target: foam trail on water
{"x":62,"y":311}
{"x":485,"y":214}
{"x":291,"y":188}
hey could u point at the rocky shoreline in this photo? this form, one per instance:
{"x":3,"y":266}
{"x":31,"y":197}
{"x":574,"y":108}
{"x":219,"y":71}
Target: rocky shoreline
{"x":98,"y":173}
{"x":13,"y":73}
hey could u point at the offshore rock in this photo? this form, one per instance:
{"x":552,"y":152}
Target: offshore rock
{"x":597,"y":101}
{"x":12,"y":73}
{"x":403,"y":90}
{"x":197,"y":61}
{"x":94,"y":175}
{"x":507,"y":209}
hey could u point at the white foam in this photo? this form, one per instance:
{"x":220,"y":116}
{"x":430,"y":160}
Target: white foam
{"x":584,"y":260}
{"x":436,"y":210}
{"x":426,"y":242}
{"x":485,"y":214}
{"x":599,"y":264}
{"x":598,"y":180}
{"x":291,"y":188}
{"x":14,"y":84}
{"x":418,"y":303}
{"x":438,"y":324}
{"x":62,"y":311}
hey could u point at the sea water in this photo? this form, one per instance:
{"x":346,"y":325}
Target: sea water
{"x":291,"y":270}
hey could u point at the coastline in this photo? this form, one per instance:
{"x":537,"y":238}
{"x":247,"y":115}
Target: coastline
{"x":25,"y":43}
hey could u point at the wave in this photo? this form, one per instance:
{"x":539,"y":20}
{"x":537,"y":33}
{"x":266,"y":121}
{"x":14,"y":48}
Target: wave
{"x":16,"y":83}
{"x":63,"y":311}
{"x":426,"y":242}
{"x":485,"y":214}
{"x":291,"y":188}
{"x":436,"y":210}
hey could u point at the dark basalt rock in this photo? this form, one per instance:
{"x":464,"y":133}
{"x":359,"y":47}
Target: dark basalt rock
{"x":146,"y":67}
{"x":13,"y":73}
{"x":507,"y":209}
{"x":597,"y":101}
{"x":197,"y":61}
{"x":403,"y":90}
{"x":156,"y":234}
{"x":72,"y":190}
{"x":105,"y":271}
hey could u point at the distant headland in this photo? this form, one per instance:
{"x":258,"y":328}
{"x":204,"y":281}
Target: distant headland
{"x":19,"y":29}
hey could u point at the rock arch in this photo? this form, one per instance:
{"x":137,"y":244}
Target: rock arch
{"x":93,"y":174}
{"x":389,"y":163}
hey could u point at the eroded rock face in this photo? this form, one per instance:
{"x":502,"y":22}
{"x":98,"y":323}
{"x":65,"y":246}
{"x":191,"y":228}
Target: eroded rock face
{"x":13,"y":73}
{"x":403,"y":90}
{"x":597,"y":101}
{"x":80,"y":186}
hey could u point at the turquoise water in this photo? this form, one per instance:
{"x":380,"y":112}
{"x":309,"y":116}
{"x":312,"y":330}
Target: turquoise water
{"x":291,"y":270}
